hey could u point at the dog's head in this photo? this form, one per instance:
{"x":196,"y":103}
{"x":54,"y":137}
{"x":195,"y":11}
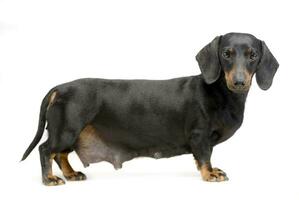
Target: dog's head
{"x":239,"y":56}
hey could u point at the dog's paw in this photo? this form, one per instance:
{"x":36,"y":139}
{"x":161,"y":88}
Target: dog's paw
{"x":53,"y":181}
{"x":214,"y":175}
{"x":76,"y":176}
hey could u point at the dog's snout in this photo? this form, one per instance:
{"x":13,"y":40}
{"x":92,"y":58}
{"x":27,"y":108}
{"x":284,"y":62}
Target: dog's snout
{"x":239,"y":80}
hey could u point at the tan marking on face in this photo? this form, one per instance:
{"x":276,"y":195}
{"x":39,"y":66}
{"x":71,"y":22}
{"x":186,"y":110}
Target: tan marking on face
{"x":229,"y":77}
{"x":52,"y":99}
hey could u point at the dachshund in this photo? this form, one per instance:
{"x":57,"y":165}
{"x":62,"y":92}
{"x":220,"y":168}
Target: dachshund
{"x":118,"y":120}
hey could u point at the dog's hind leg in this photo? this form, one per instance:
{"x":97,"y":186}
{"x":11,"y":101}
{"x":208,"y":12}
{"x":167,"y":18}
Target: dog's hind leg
{"x":66,"y":168}
{"x":64,"y":127}
{"x":65,"y":120}
{"x":46,"y":159}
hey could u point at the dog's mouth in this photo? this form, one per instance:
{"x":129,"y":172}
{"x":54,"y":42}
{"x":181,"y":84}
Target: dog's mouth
{"x":238,"y":89}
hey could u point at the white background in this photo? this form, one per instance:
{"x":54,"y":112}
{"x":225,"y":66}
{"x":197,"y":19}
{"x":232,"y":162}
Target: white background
{"x":45,"y":43}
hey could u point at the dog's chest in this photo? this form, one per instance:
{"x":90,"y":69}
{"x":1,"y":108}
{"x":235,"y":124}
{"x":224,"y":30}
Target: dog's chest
{"x":229,"y":121}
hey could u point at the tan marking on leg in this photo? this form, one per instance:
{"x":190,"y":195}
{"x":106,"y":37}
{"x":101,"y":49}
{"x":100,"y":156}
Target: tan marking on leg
{"x":65,"y":165}
{"x":52,"y":180}
{"x":68,"y":171}
{"x":50,"y":172}
{"x":211,"y":174}
{"x":205,"y":171}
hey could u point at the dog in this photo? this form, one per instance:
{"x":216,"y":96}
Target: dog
{"x":118,"y":120}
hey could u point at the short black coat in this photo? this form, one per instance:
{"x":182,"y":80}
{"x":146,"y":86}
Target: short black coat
{"x":156,"y":118}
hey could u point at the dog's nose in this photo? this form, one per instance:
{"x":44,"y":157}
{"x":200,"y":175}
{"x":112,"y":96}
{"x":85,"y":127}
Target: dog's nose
{"x":239,"y":83}
{"x":239,"y":80}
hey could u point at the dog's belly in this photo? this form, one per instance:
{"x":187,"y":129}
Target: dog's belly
{"x":93,"y":146}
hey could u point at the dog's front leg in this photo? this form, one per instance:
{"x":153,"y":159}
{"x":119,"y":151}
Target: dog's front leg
{"x":202,"y":150}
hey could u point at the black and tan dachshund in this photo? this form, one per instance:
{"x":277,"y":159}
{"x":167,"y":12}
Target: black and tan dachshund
{"x":118,"y":120}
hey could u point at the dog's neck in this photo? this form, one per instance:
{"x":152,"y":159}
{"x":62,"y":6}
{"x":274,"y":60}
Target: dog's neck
{"x":226,"y":95}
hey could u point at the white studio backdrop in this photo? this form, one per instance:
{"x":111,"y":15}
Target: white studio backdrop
{"x":45,"y":43}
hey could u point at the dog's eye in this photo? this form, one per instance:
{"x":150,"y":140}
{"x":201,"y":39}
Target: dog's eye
{"x":253,"y":56}
{"x":226,"y":54}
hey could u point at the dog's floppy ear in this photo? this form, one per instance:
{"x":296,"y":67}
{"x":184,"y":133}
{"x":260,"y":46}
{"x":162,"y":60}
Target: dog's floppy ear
{"x":208,"y":61}
{"x":266,"y":68}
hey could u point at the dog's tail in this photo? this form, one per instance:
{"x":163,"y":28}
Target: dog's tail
{"x":41,"y":124}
